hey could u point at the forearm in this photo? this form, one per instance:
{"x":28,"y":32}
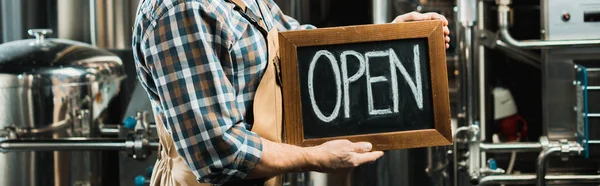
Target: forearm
{"x":280,"y":158}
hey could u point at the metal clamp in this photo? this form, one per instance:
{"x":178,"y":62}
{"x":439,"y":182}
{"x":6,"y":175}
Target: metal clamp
{"x":138,"y":146}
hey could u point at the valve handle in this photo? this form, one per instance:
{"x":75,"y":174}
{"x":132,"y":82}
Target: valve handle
{"x":140,"y":180}
{"x":130,"y":122}
{"x":492,"y":164}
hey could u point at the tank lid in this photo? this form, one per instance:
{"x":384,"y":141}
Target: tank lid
{"x":45,"y":61}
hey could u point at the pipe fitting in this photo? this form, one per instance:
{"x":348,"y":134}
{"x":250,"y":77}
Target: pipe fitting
{"x":563,"y":147}
{"x":8,"y":133}
{"x":138,"y":146}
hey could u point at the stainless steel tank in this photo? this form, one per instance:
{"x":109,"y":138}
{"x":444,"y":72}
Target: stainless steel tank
{"x":49,"y":89}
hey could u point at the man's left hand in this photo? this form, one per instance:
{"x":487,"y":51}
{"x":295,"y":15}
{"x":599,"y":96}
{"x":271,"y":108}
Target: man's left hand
{"x":415,"y":16}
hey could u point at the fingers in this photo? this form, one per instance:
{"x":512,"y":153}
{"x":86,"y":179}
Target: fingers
{"x":415,"y":16}
{"x":436,"y":16}
{"x":446,"y":31}
{"x":406,"y":17}
{"x":361,"y":147}
{"x":363,"y":158}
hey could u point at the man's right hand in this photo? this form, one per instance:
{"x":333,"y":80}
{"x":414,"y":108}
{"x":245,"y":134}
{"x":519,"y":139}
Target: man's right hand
{"x":339,"y":154}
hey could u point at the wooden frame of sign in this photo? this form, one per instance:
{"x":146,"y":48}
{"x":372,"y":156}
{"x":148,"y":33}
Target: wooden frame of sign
{"x":432,"y":31}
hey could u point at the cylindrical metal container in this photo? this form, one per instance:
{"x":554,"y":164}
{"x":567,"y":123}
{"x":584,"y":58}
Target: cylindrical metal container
{"x":54,"y":88}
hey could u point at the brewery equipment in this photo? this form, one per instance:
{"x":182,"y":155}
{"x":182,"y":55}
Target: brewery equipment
{"x":53,"y":94}
{"x":567,"y":46}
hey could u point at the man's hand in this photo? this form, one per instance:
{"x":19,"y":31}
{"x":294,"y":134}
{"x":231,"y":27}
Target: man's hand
{"x":339,"y":154}
{"x":279,"y":158}
{"x":415,"y":16}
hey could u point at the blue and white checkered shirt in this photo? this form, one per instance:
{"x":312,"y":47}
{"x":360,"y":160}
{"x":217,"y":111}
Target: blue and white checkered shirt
{"x":200,"y":62}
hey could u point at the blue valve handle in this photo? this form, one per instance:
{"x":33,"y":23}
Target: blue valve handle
{"x":140,"y":180}
{"x":492,"y":164}
{"x":130,"y":122}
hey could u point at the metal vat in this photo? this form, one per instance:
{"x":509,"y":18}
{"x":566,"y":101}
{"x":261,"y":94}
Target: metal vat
{"x":54,"y":88}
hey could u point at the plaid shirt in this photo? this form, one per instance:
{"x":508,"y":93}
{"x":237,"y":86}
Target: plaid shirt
{"x":200,"y":62}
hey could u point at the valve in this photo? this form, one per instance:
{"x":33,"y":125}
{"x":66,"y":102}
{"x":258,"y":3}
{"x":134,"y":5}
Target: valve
{"x":140,"y":180}
{"x":138,"y":141}
{"x":130,"y":122}
{"x":492,"y":168}
{"x":492,"y":164}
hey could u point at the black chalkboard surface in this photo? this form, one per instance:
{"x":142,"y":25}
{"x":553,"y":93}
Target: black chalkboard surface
{"x":385,"y":84}
{"x":340,"y":105}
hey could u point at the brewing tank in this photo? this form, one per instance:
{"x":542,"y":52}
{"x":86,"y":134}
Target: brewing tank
{"x":50,"y":89}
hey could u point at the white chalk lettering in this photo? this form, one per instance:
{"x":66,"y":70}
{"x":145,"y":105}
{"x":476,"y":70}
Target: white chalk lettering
{"x":394,"y":81}
{"x":336,"y":72}
{"x":347,"y":80}
{"x":417,"y":89}
{"x":371,"y":80}
{"x":343,"y":81}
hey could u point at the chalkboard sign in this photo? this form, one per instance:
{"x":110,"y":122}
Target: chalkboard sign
{"x":385,"y":84}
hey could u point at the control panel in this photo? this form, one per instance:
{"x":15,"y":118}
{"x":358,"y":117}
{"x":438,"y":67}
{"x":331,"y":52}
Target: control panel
{"x":571,"y":19}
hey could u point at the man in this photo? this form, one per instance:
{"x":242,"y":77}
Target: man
{"x":201,"y":62}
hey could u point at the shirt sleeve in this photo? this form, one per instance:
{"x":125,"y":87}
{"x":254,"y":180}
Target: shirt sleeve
{"x":284,"y":22}
{"x":185,"y":51}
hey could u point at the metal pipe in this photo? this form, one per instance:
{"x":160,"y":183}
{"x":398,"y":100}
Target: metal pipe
{"x":594,"y":115}
{"x":52,"y":127}
{"x":154,"y":144}
{"x":72,"y":144}
{"x":511,"y":147}
{"x":541,"y":164}
{"x":524,"y":53}
{"x":519,"y":55}
{"x":593,"y":69}
{"x":73,"y":20}
{"x":468,"y":50}
{"x":481,"y":78}
{"x":593,"y":142}
{"x":455,"y":153}
{"x":110,"y":130}
{"x":503,"y":11}
{"x":543,"y":158}
{"x":530,"y":178}
{"x":12,"y":21}
{"x":481,"y":75}
{"x":83,"y":144}
{"x":381,"y":12}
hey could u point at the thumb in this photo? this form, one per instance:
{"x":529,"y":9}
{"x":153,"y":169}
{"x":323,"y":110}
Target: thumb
{"x":362,"y":147}
{"x":368,"y":157}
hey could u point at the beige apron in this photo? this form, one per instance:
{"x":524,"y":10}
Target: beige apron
{"x":171,"y":170}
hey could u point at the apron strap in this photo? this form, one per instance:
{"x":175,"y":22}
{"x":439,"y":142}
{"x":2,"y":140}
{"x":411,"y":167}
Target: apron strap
{"x":240,"y":3}
{"x":256,"y":21}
